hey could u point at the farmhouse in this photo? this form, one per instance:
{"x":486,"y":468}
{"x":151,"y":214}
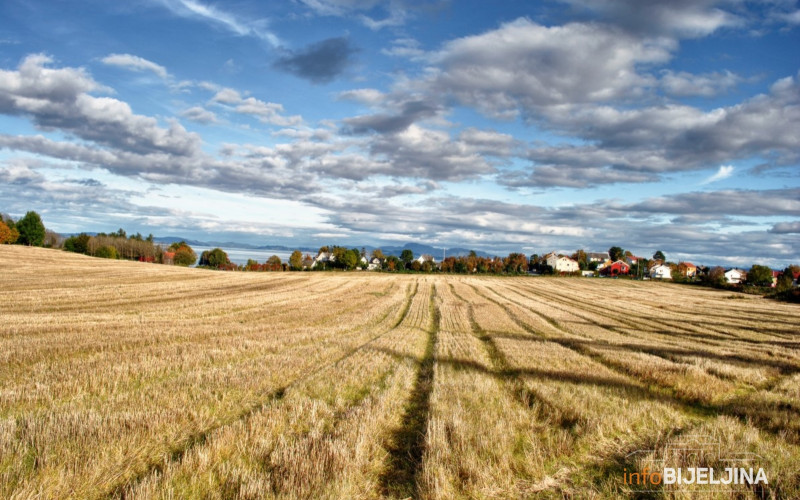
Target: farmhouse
{"x":735,"y":276}
{"x":615,"y":269}
{"x":562,"y":264}
{"x":661,"y":271}
{"x":375,"y":264}
{"x":426,"y":258}
{"x":687,"y":269}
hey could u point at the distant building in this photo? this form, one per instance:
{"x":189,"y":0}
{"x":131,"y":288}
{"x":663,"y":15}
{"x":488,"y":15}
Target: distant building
{"x":735,"y":276}
{"x":661,"y":271}
{"x":562,"y":264}
{"x":597,"y":257}
{"x":615,"y":269}
{"x":687,"y":269}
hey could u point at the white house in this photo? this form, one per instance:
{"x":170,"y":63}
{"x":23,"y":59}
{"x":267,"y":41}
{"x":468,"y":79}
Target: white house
{"x":597,"y":257}
{"x":426,"y":258}
{"x":323,"y":257}
{"x":562,"y":264}
{"x":661,"y":271}
{"x":375,"y":264}
{"x":735,"y":276}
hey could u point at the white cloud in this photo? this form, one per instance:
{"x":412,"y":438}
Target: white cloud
{"x":724,"y":172}
{"x":135,"y":63}
{"x":266,"y":112}
{"x":219,"y":17}
{"x":198,"y":114}
{"x":524,"y":65}
{"x":682,"y":84}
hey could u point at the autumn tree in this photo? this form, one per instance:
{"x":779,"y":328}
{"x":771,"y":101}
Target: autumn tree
{"x":378,"y":254}
{"x":715,"y":276}
{"x":296,"y":261}
{"x":184,"y":255}
{"x":581,"y":258}
{"x":516,"y":263}
{"x":274,"y":263}
{"x":7,"y":235}
{"x":31,"y":230}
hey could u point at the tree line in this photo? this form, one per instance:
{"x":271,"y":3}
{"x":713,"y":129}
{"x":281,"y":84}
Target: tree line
{"x":30,"y":230}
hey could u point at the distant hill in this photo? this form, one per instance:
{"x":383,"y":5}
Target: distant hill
{"x":420,"y":249}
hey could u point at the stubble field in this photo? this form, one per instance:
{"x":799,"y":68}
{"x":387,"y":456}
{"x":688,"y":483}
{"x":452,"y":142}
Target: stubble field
{"x":130,"y":380}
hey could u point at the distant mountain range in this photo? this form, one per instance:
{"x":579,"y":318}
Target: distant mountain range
{"x":417,"y":248}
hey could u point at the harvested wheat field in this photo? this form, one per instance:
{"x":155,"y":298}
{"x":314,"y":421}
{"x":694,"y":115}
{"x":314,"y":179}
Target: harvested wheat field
{"x":121,"y":379}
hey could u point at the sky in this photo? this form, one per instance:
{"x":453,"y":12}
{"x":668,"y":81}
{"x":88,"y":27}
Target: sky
{"x":499,"y":126}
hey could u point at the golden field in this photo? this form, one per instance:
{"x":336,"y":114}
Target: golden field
{"x":129,"y":380}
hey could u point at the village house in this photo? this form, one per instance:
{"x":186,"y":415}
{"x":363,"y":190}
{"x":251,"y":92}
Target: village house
{"x":615,"y":269}
{"x":632,"y":260}
{"x":687,"y":269}
{"x":562,"y":264}
{"x":426,"y":258}
{"x":597,"y":257}
{"x":323,"y":258}
{"x":661,"y":271}
{"x":375,"y":264}
{"x":735,"y":276}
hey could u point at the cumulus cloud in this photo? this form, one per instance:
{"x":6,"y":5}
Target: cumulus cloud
{"x":752,"y":203}
{"x":266,"y":112}
{"x":685,"y":18}
{"x":382,"y":123}
{"x":135,"y":63}
{"x":198,"y":114}
{"x":320,"y":62}
{"x":786,"y":228}
{"x":683,"y":84}
{"x":526,"y":66}
{"x":59,"y":99}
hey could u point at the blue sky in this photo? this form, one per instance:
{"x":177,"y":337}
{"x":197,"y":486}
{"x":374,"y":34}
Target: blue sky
{"x":500,"y":126}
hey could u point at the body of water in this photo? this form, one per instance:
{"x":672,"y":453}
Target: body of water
{"x":242,"y":255}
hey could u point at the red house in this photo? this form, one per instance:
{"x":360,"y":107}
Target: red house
{"x":615,"y":269}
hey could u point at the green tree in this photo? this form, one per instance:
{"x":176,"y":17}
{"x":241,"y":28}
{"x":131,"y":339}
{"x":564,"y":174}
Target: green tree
{"x":759,"y":276}
{"x":785,"y":280}
{"x":106,"y":252}
{"x":296,"y":261}
{"x":350,"y":258}
{"x":659,"y":255}
{"x":215,"y":258}
{"x":616,"y":253}
{"x":77,"y":244}
{"x":31,"y":230}
{"x":406,"y":256}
